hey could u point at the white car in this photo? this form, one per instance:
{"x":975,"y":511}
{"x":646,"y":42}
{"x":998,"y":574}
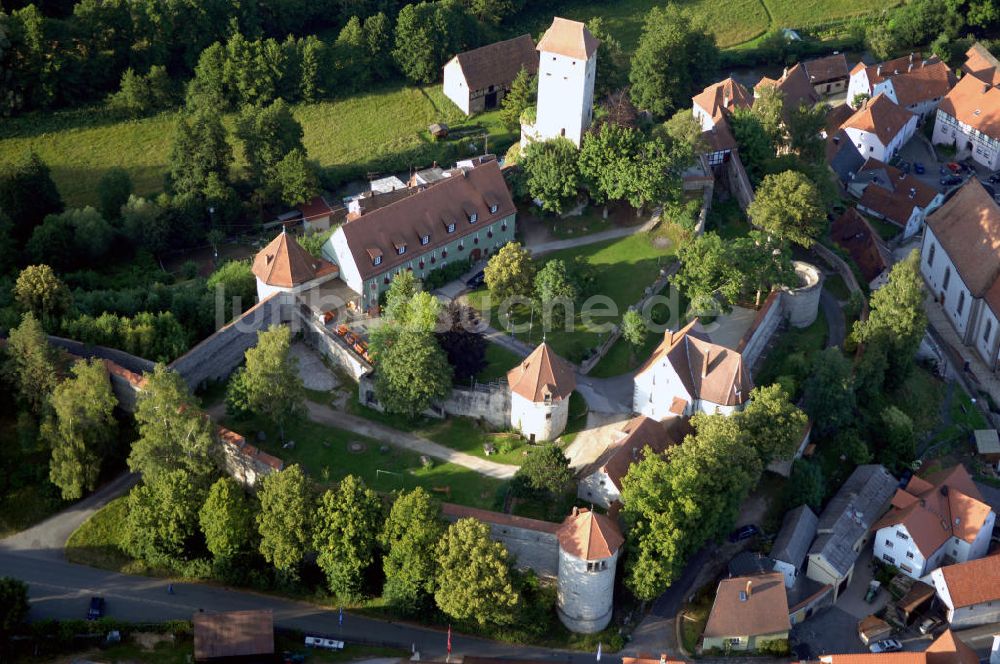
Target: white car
{"x":887,"y":645}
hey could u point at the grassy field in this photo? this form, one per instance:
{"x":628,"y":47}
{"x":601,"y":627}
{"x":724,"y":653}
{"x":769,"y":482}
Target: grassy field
{"x":624,"y":268}
{"x":326,"y":454}
{"x":97,"y":541}
{"x":347,"y":136}
{"x":623,"y":357}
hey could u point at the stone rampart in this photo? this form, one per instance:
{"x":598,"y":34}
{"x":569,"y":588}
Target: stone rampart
{"x":532,"y":543}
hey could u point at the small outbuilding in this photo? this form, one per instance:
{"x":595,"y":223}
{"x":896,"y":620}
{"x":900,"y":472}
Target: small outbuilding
{"x":233,"y":634}
{"x":988,"y":446}
{"x":477,"y":80}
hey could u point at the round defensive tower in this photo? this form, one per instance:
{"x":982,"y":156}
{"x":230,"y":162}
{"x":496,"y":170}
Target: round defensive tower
{"x":540,"y":388}
{"x":589,"y":545}
{"x":802,"y":303}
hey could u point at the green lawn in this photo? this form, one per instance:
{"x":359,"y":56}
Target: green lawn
{"x":623,"y":357}
{"x":499,"y":361}
{"x":348,"y":137}
{"x":325,"y":453}
{"x":727,"y":219}
{"x":885,"y":229}
{"x":97,"y":541}
{"x":624,"y":268}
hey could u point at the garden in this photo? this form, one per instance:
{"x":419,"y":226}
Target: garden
{"x":621,"y":271}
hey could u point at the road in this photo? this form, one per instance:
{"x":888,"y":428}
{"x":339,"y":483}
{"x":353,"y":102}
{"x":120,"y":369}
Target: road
{"x":61,"y":590}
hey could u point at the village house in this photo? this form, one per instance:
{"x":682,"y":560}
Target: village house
{"x":988,"y":447}
{"x":711,"y":108}
{"x":852,"y":232}
{"x":748,"y":612}
{"x":688,"y":374}
{"x":567,"y":70}
{"x":842,"y":155}
{"x":945,"y":649}
{"x":795,"y":87}
{"x":601,"y":482}
{"x":844,"y":526}
{"x":959,"y":261}
{"x":936,"y":521}
{"x":885,"y":192}
{"x":969,"y":118}
{"x":915,"y":84}
{"x":540,"y":388}
{"x":477,"y":80}
{"x":879,"y":128}
{"x":829,"y":75}
{"x":317,"y":215}
{"x":979,"y":62}
{"x":791,"y":545}
{"x":969,"y":591}
{"x":466,"y":217}
{"x":283,"y":266}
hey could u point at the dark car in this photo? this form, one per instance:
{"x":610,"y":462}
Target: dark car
{"x":746,"y":532}
{"x":995,"y":178}
{"x":888,"y":645}
{"x":950,"y":180}
{"x":96,"y":609}
{"x":918,"y":167}
{"x":477,"y":280}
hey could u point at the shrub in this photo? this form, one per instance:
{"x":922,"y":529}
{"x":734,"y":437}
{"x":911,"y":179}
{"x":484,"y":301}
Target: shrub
{"x":441,"y":276}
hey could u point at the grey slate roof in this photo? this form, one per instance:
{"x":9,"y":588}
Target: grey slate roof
{"x":849,"y":515}
{"x":847,"y":161}
{"x":747,"y":563}
{"x":797,"y":532}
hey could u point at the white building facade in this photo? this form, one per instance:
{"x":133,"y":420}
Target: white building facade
{"x":589,"y":545}
{"x":970,"y":592}
{"x":969,"y":118}
{"x":567,"y":69}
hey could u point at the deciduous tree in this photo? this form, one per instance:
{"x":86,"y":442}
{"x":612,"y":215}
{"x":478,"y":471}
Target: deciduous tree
{"x":412,"y":372}
{"x":897,"y":448}
{"x":227,"y":520}
{"x":270,"y":381}
{"x":41,"y":292}
{"x":296,"y":179}
{"x":546,"y":471}
{"x":113,"y":190}
{"x":676,"y":55}
{"x":173,"y":434}
{"x":473,"y":577}
{"x":28,"y":194}
{"x":162,"y":517}
{"x":344,"y":535}
{"x":409,"y":537}
{"x":200,"y":152}
{"x":464,"y":346}
{"x":284,"y":521}
{"x":268,"y":134}
{"x":520,"y":96}
{"x":634,"y":329}
{"x":772,"y":424}
{"x":80,"y":428}
{"x":788,"y":206}
{"x":806,"y":485}
{"x":235,"y":279}
{"x":31,"y":363}
{"x":510,"y":272}
{"x":14,"y":604}
{"x":552,"y":176}
{"x":828,"y":391}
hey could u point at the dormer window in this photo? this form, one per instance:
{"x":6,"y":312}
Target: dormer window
{"x":377,"y":260}
{"x":425,"y":239}
{"x":451,"y":228}
{"x":401,"y":250}
{"x":493,"y":209}
{"x":375,"y":254}
{"x":473,"y":218}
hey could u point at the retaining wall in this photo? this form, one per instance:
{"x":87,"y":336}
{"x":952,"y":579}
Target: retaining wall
{"x":488,"y":402}
{"x":532,"y":543}
{"x":332,"y":346}
{"x":765,"y":324}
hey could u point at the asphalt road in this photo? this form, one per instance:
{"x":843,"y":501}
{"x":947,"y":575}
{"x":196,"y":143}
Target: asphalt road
{"x":62,"y":590}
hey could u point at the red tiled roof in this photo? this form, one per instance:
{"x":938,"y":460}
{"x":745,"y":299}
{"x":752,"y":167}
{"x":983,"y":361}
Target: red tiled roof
{"x":853,"y":232}
{"x":879,"y":116}
{"x":831,"y":68}
{"x":924,"y":82}
{"x":976,"y":104}
{"x":725,"y":95}
{"x":643,"y":436}
{"x":764,"y":610}
{"x":589,"y":536}
{"x":428,"y":212}
{"x":569,"y":38}
{"x":542,"y":375}
{"x":795,"y":85}
{"x":974,"y":582}
{"x":284,"y":263}
{"x":980,"y":63}
{"x":317,"y":207}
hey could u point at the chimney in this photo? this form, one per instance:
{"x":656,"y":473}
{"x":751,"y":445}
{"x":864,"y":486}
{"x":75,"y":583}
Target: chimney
{"x":725,"y":99}
{"x":784,"y":73}
{"x":878,"y":70}
{"x":911,"y":58}
{"x":909,"y":67}
{"x":663,"y":658}
{"x":576,"y":511}
{"x":913,"y":192}
{"x":749,"y":585}
{"x":706,"y":360}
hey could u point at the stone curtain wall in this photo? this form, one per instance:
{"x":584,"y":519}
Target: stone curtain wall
{"x":532,"y":543}
{"x":217,"y":356}
{"x":125,"y":360}
{"x":739,"y":183}
{"x":766,"y":323}
{"x":489,"y":402}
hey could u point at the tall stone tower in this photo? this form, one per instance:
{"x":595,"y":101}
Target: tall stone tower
{"x":589,"y":544}
{"x":567,"y":68}
{"x":540,"y":387}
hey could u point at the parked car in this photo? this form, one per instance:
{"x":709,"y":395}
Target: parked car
{"x":995,"y":178}
{"x":746,"y":532}
{"x":96,"y":609}
{"x":951,"y":180}
{"x":918,"y":167}
{"x":873,"y":587}
{"x":887,"y":645}
{"x":477,"y":280}
{"x":930,"y":625}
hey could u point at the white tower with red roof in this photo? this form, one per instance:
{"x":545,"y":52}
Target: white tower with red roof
{"x":589,"y":544}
